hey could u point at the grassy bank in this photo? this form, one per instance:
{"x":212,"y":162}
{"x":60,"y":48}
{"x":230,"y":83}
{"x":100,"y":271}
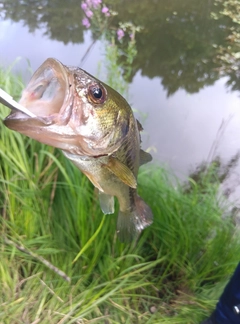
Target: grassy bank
{"x":62,"y":263}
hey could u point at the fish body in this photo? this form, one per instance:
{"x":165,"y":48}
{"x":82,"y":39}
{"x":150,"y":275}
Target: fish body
{"x":95,"y":128}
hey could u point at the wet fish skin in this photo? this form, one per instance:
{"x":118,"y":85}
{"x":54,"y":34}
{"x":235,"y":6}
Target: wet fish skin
{"x":96,"y":129}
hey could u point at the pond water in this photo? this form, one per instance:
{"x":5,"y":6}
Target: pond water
{"x":178,"y":78}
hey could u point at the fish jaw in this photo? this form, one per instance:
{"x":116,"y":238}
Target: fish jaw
{"x":58,"y":96}
{"x":59,"y":122}
{"x":48,"y":96}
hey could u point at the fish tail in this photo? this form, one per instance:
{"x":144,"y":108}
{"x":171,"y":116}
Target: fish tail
{"x":130,"y":223}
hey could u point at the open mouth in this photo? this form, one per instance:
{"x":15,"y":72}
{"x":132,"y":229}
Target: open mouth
{"x":44,"y":96}
{"x":59,"y":118}
{"x":49,"y":99}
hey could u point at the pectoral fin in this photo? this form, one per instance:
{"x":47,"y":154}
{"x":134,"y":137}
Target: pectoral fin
{"x":145,"y":157}
{"x":121,"y":171}
{"x":106,"y":203}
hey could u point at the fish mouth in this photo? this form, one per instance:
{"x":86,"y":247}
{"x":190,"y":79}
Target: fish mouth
{"x":48,"y":96}
{"x":62,"y":111}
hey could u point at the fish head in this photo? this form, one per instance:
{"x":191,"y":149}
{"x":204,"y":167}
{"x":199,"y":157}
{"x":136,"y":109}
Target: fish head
{"x":72,"y":110}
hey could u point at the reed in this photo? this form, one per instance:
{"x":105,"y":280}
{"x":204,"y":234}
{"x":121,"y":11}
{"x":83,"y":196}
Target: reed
{"x":61,"y":261}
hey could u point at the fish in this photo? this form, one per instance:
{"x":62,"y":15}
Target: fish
{"x":95,"y":128}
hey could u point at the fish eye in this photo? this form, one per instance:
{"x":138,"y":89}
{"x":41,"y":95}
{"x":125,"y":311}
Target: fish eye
{"x":97,"y":94}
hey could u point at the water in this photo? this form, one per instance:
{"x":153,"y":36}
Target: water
{"x":181,"y":128}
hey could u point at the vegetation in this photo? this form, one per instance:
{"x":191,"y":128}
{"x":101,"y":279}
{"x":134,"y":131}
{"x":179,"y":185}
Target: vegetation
{"x":188,"y":44}
{"x":62,"y":263}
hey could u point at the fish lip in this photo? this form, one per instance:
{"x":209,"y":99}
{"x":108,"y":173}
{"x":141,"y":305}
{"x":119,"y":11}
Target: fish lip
{"x":57,"y":71}
{"x":17,"y":118}
{"x":14,"y":119}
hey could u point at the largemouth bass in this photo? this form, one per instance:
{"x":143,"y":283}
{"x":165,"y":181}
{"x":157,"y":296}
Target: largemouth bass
{"x":95,"y":128}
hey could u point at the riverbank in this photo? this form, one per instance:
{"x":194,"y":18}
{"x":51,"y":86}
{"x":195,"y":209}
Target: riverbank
{"x":61,"y":261}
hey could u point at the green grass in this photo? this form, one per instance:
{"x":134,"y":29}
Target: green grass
{"x":50,"y":213}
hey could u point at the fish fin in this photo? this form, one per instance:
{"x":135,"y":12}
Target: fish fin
{"x":145,"y":157}
{"x":121,"y":171}
{"x":106,"y":203}
{"x":131,"y":223}
{"x":139,"y":125}
{"x":93,"y":180}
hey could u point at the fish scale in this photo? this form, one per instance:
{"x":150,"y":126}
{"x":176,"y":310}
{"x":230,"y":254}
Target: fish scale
{"x":95,"y":128}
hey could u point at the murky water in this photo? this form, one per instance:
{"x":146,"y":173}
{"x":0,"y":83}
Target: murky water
{"x":177,"y":77}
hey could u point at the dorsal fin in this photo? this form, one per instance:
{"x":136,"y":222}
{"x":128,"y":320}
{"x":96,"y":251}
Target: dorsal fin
{"x":139,"y":125}
{"x":145,"y":157}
